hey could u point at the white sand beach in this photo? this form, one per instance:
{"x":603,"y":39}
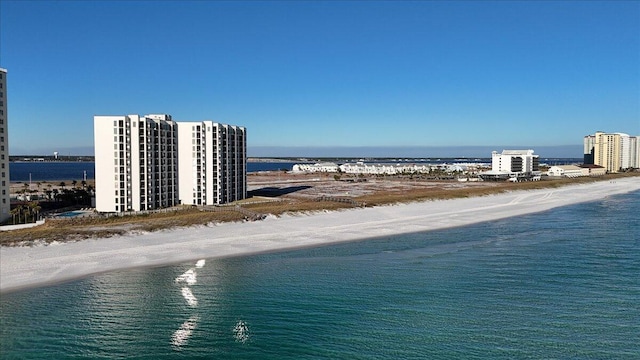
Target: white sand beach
{"x":22,"y":267}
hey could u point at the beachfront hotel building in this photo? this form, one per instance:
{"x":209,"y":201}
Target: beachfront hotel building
{"x":151,"y":162}
{"x":613,"y":151}
{"x":514,"y":165}
{"x":5,"y":203}
{"x":212,"y":163}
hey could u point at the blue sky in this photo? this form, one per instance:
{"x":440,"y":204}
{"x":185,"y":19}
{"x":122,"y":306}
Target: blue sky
{"x":317,"y":75}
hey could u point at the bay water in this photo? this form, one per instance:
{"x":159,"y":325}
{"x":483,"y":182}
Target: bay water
{"x":561,"y":284}
{"x":52,"y":171}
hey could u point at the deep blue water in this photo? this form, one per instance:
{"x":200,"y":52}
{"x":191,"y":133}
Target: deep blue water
{"x":561,"y":284}
{"x":49,"y":171}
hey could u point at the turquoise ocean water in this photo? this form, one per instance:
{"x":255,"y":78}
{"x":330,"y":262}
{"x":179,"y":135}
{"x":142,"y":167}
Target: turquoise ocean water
{"x":562,"y":284}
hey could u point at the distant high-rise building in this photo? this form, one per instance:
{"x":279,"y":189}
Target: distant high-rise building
{"x":151,"y":162}
{"x":613,"y":151}
{"x":5,"y":203}
{"x":634,"y":151}
{"x":607,"y":151}
{"x":589,"y":146}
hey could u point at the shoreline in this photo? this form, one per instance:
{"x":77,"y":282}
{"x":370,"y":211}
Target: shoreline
{"x":28,"y":267}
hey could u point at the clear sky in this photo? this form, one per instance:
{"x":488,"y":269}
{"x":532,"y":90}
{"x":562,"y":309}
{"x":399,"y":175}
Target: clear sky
{"x":316,"y":75}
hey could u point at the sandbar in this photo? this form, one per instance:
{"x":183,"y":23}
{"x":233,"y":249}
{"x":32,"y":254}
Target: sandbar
{"x":31,"y":266}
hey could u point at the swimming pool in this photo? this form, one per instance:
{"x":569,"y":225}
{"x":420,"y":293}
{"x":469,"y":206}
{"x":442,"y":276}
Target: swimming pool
{"x":70,"y":214}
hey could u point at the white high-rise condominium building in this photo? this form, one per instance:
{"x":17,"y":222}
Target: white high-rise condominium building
{"x":151,"y":162}
{"x":625,"y":151}
{"x":634,"y":150}
{"x":136,"y":162}
{"x":212,"y":163}
{"x":5,"y":204}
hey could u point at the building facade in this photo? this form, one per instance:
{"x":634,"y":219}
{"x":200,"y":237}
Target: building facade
{"x":212,"y":163}
{"x":152,"y":162}
{"x":513,"y":165}
{"x":136,"y":162}
{"x":589,"y":142}
{"x":569,"y":171}
{"x":613,"y":151}
{"x":634,"y":151}
{"x":5,"y":203}
{"x":594,"y":170}
{"x":607,"y":151}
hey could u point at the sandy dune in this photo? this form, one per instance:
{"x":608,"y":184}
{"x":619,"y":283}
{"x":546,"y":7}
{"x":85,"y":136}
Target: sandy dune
{"x":22,"y":267}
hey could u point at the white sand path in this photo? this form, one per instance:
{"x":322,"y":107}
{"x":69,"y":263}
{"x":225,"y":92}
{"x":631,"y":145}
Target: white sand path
{"x":22,"y":267}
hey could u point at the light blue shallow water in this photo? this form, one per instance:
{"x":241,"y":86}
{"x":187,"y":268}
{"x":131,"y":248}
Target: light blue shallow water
{"x":562,"y":284}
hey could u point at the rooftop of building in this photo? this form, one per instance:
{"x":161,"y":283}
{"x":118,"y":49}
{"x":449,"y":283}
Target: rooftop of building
{"x":567,"y":167}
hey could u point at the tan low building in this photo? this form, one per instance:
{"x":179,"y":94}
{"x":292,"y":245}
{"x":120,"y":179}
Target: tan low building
{"x":594,"y":170}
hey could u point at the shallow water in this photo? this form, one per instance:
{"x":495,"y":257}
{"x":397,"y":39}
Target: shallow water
{"x":559,"y":284}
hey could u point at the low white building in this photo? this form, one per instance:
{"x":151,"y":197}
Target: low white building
{"x":325,"y":167}
{"x":570,"y":171}
{"x":383,"y":169}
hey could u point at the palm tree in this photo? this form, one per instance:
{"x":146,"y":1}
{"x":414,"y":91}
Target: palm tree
{"x":74,"y":183}
{"x":84,"y":184}
{"x":34,"y":210}
{"x":62,"y":184}
{"x":15,"y":212}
